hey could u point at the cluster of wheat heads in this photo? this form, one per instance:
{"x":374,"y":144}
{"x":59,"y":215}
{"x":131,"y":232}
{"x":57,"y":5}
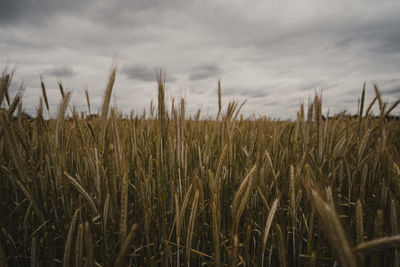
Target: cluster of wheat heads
{"x":170,"y":189}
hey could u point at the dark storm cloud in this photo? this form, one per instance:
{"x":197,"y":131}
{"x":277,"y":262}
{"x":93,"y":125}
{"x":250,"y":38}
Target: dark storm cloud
{"x":61,"y":71}
{"x":204,"y":72}
{"x":380,"y":35}
{"x":36,"y":10}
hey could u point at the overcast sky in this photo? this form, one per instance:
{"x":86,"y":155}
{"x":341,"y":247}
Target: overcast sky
{"x":274,"y":53}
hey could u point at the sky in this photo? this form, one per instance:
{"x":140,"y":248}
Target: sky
{"x":273,"y":53}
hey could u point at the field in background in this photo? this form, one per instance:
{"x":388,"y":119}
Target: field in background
{"x":168,"y":189}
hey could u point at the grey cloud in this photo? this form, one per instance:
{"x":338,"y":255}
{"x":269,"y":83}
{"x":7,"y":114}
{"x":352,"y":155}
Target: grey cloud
{"x":245,"y":92}
{"x":14,"y":87}
{"x":344,"y":43}
{"x":306,"y":46}
{"x":380,"y":36}
{"x":230,"y":91}
{"x":391,"y":42}
{"x":309,"y":86}
{"x":144,"y":73}
{"x":138,"y":13}
{"x":272,"y":103}
{"x":37,"y":10}
{"x":393,"y":91}
{"x":389,"y":82}
{"x":260,"y":93}
{"x":316,"y":86}
{"x":204,"y":72}
{"x":141,"y":73}
{"x":61,"y":71}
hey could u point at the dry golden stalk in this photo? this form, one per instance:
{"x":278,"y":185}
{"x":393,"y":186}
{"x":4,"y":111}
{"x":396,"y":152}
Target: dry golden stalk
{"x":107,"y":93}
{"x":192,"y":220}
{"x":363,"y":183}
{"x":87,"y":99}
{"x":313,"y":260}
{"x":378,"y":244}
{"x":361,"y":111}
{"x":124,"y":209}
{"x":214,"y":181}
{"x":219,"y":99}
{"x":4,"y":84}
{"x":334,"y":231}
{"x":17,"y":99}
{"x":11,"y":139}
{"x":215,"y":231}
{"x":68,"y":241}
{"x":281,"y":246}
{"x":268,"y":227}
{"x":121,"y":259}
{"x":363,"y":145}
{"x":378,"y":96}
{"x":83,"y":192}
{"x":44,"y":93}
{"x":98,"y":182}
{"x":178,"y":229}
{"x":112,"y":180}
{"x":310,"y":232}
{"x":393,"y":217}
{"x":239,"y":203}
{"x":60,"y":86}
{"x":17,"y":159}
{"x":292,"y":198}
{"x":161,"y":106}
{"x":33,"y":252}
{"x":318,"y":124}
{"x":105,"y":212}
{"x":60,"y":119}
{"x":359,"y":222}
{"x":378,"y":224}
{"x":194,"y":251}
{"x":395,"y":104}
{"x":235,"y":250}
{"x":242,"y":196}
{"x":79,"y":246}
{"x":184,"y":204}
{"x":89,"y":246}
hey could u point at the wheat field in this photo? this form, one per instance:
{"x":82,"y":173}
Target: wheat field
{"x":171,"y":189}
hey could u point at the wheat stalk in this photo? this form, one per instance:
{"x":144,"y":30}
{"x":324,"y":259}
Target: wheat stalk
{"x":68,"y":242}
{"x":83,"y":192}
{"x":121,"y":259}
{"x":268,"y":224}
{"x":359,"y":222}
{"x":89,"y":246}
{"x":192,"y":219}
{"x":378,"y":244}
{"x":333,"y":230}
{"x":46,"y":101}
